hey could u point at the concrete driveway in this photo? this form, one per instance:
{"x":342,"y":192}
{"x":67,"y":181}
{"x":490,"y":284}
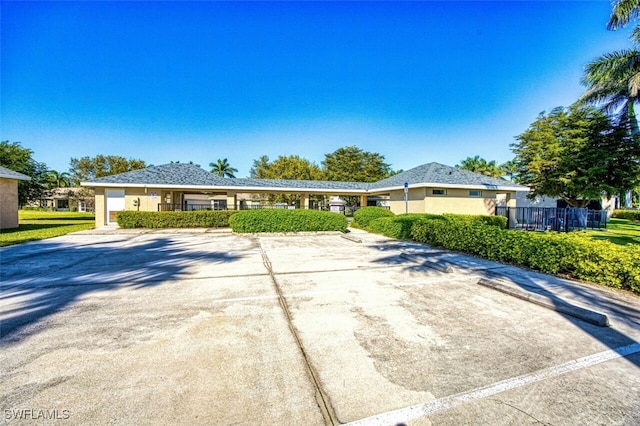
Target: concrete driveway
{"x":206,"y":327}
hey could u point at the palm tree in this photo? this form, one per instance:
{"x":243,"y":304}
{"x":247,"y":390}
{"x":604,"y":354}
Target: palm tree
{"x":622,"y":13}
{"x":223,"y":169}
{"x":510,"y":169}
{"x":480,"y":165}
{"x":613,"y":82}
{"x":58,"y":180}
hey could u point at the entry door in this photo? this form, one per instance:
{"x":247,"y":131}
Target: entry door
{"x":115,"y":203}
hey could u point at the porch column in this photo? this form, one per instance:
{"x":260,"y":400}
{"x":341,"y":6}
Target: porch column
{"x":363,"y":200}
{"x":511,"y":199}
{"x":231,"y":201}
{"x":304,"y":201}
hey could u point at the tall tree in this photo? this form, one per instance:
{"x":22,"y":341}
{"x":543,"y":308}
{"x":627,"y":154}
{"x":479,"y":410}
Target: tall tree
{"x":577,"y":154}
{"x":479,"y":165}
{"x":351,"y":164}
{"x":57,"y":179}
{"x":17,"y":158}
{"x":623,"y":12}
{"x":89,"y":168}
{"x":285,"y":167}
{"x":223,"y":169}
{"x":613,"y":83}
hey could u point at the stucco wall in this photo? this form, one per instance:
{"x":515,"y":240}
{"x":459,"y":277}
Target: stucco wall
{"x":101,"y":213}
{"x":8,"y":203}
{"x":421,"y":200}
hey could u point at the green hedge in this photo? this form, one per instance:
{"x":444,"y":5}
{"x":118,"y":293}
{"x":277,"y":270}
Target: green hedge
{"x":627,"y":214}
{"x":277,"y":220}
{"x":398,"y":227}
{"x":499,"y":221}
{"x":193,"y":219}
{"x":572,"y":254}
{"x":362,"y":217}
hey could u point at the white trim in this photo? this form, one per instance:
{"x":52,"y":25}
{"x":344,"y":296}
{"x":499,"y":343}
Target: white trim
{"x":308,"y":190}
{"x":221,"y":188}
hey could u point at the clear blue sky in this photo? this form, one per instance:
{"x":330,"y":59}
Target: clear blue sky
{"x":181,"y":81}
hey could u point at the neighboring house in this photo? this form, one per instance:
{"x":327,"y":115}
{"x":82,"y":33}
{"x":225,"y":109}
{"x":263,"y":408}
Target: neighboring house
{"x":9,"y":197}
{"x":68,"y":199}
{"x":431,"y":188}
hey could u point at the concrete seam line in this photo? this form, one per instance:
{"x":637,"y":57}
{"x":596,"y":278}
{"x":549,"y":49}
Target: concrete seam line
{"x":322,"y":399}
{"x":431,"y":407}
{"x":561,"y":306}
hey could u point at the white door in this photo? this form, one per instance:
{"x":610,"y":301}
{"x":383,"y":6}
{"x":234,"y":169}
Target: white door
{"x":115,"y":203}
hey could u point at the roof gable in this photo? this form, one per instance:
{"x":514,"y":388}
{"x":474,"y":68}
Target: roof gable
{"x":441,"y":174}
{"x":10,"y":174}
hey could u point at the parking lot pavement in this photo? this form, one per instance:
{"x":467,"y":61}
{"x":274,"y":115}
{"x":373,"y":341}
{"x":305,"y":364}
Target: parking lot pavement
{"x":195,"y":327}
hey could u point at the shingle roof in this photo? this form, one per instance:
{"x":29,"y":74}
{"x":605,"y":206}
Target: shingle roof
{"x":189,"y":175}
{"x":440,"y":174}
{"x":10,"y":174}
{"x":173,"y":174}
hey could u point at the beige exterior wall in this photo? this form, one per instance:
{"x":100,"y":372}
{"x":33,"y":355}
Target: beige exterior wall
{"x":421,"y":200}
{"x":101,"y":211}
{"x":415,"y":201}
{"x":8,"y":203}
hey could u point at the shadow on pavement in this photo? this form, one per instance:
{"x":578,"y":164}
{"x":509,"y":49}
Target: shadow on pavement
{"x":43,"y":282}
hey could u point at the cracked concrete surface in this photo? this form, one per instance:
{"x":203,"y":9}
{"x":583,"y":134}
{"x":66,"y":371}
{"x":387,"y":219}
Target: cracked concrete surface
{"x":194,"y":327}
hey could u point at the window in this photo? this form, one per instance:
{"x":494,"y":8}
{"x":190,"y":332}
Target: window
{"x":440,"y":192}
{"x":475,"y":193}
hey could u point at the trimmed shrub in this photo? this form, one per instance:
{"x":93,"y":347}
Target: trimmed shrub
{"x":362,"y":217}
{"x":277,"y":220}
{"x":572,"y":254}
{"x":398,"y":227}
{"x":192,"y":219}
{"x":499,"y":221}
{"x":627,"y":214}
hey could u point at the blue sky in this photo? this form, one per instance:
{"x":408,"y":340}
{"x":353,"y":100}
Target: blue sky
{"x":197,"y":81}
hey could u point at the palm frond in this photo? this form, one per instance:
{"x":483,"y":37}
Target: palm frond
{"x":623,"y":12}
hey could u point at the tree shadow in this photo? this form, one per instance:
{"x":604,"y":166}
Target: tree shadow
{"x":560,"y":292}
{"x":37,"y":281}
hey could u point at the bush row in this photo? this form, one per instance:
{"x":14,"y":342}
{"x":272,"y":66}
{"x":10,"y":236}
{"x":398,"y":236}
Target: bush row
{"x":571,"y":254}
{"x":364,"y":216}
{"x":398,"y":227}
{"x":194,"y":219}
{"x":287,"y":221}
{"x":627,"y":214}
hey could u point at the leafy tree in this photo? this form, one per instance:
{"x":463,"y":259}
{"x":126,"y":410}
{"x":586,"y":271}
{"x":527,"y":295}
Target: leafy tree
{"x":351,"y":164}
{"x":577,"y":154}
{"x":479,"y":165}
{"x":285,"y":167}
{"x":223,"y":169}
{"x":89,"y":168}
{"x":57,"y":179}
{"x":260,"y":168}
{"x":13,"y":156}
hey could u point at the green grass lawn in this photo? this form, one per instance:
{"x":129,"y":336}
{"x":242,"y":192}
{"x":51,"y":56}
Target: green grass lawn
{"x":38,"y":225}
{"x":619,"y":231}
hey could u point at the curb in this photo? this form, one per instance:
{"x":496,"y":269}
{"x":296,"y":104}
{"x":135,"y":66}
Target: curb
{"x":561,"y":306}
